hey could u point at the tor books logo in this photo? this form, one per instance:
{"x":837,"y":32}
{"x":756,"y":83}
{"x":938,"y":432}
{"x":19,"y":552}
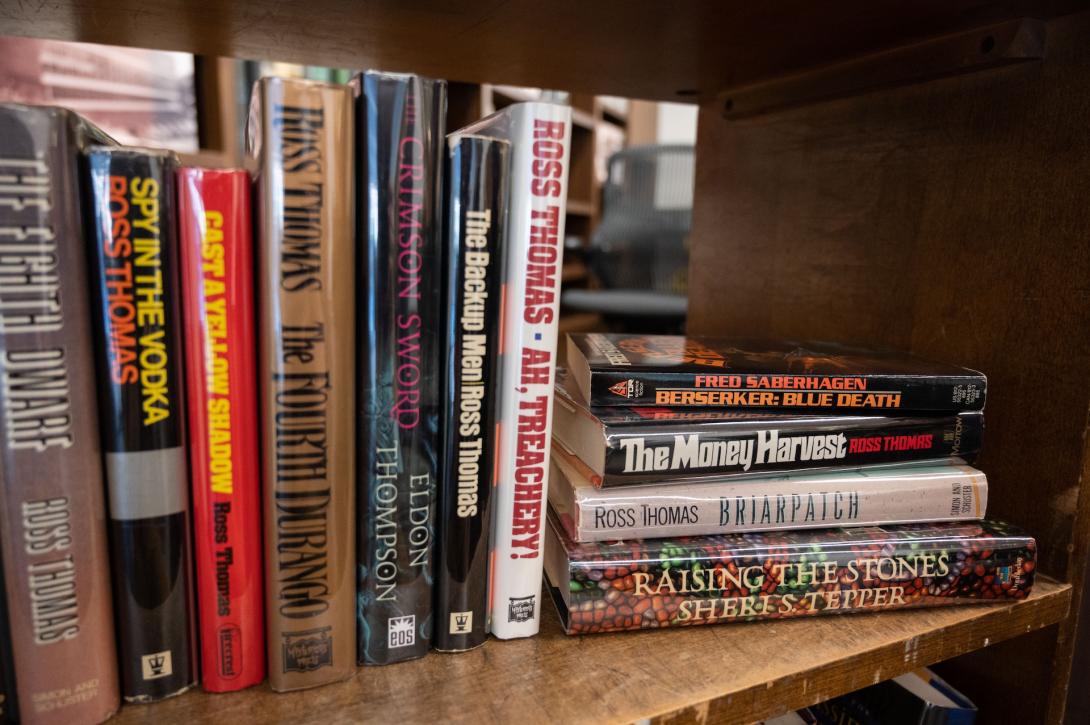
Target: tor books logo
{"x":627,"y":388}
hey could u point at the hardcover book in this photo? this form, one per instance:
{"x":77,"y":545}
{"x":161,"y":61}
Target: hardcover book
{"x":652,"y":583}
{"x":540,"y":137}
{"x":676,"y":371}
{"x":217,"y":282}
{"x":300,"y":133}
{"x":134,"y":263}
{"x":402,"y":121}
{"x":622,"y":445}
{"x":53,"y":538}
{"x":875,"y":495}
{"x":476,"y":217}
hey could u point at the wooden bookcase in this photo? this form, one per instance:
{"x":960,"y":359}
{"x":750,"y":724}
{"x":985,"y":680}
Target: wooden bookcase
{"x":911,"y":174}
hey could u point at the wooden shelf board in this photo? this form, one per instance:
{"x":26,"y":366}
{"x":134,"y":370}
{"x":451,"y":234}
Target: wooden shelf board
{"x":573,"y":271}
{"x":726,"y":673}
{"x":578,"y":322}
{"x":633,"y":48}
{"x":582,"y":120}
{"x":581,"y":207}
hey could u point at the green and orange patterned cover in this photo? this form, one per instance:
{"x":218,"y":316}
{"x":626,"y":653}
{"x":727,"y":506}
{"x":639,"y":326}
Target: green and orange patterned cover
{"x":639,"y":584}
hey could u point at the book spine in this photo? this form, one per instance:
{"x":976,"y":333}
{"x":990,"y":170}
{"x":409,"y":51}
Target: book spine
{"x":685,"y":582}
{"x":475,"y":218}
{"x":841,"y":393}
{"x":217,"y":286}
{"x":9,"y":704}
{"x":301,"y":135}
{"x":402,"y":135}
{"x":540,"y":147}
{"x":52,"y":500}
{"x":665,"y":511}
{"x":141,"y":394}
{"x":823,"y":443}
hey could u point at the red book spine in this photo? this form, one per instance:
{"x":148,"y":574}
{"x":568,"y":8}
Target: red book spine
{"x":217,"y":274}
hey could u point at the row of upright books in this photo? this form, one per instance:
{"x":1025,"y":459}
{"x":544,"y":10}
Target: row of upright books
{"x":699,"y":481}
{"x":257,"y":422}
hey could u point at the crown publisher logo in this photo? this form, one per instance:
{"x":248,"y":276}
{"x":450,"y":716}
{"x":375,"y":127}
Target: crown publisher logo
{"x":461,"y":622}
{"x":156,"y":665}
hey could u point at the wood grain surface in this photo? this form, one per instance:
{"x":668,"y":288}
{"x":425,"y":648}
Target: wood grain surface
{"x":728,"y":673}
{"x":635,"y":48}
{"x":948,"y":218}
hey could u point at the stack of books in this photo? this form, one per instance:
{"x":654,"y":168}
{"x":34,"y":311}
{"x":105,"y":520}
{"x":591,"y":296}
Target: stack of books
{"x":697,"y":481}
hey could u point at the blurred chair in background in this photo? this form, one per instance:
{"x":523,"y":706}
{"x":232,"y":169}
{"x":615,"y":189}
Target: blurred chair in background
{"x":638,"y":253}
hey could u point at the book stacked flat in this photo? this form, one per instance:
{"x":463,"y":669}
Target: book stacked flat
{"x":697,"y":481}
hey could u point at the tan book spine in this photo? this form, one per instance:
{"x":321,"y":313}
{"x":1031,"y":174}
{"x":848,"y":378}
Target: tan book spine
{"x":301,"y":136}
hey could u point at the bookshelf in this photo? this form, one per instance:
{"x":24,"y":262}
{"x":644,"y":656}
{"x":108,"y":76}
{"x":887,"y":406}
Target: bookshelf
{"x":723,"y":674}
{"x":940,"y":210}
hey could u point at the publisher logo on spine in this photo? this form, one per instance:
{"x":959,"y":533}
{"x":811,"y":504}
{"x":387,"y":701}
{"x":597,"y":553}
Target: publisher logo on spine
{"x":156,"y":665}
{"x":307,"y":650}
{"x":627,"y":388}
{"x":229,"y":651}
{"x":520,"y":609}
{"x":401,"y":631}
{"x":461,"y":622}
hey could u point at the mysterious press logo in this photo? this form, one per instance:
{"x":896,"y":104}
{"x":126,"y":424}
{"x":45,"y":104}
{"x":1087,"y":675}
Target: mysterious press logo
{"x":307,"y":650}
{"x":520,"y":609}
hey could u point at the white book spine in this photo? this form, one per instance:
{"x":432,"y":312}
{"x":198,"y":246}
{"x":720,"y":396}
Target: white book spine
{"x":850,"y":498}
{"x":540,"y":135}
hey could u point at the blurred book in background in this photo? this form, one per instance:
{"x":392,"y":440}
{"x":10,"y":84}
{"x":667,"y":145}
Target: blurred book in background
{"x":140,"y":97}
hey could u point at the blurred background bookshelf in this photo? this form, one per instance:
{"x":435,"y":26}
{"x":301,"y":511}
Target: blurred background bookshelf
{"x":626,"y":246}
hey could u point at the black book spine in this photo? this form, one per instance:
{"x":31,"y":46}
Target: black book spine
{"x":134,"y":278}
{"x":9,"y":708}
{"x":826,"y":442}
{"x":475,"y":235}
{"x":401,"y":131}
{"x":869,"y":394}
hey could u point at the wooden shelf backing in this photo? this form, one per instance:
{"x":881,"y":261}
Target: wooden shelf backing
{"x":726,"y":673}
{"x":579,"y":322}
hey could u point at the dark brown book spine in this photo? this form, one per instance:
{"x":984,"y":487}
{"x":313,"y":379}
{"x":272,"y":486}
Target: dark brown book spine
{"x":52,"y":508}
{"x":301,"y":135}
